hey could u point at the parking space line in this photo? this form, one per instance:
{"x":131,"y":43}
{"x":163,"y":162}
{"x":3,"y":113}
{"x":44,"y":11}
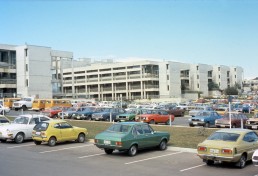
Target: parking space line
{"x":20,"y":146}
{"x":87,"y":156}
{"x":153,"y":158}
{"x":192,"y":168}
{"x":66,"y":148}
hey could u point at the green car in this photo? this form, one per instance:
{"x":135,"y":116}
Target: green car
{"x":128,"y":116}
{"x":131,"y":137}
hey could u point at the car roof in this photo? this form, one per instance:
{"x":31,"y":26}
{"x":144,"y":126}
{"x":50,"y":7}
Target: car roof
{"x":131,"y":123}
{"x":54,"y":121}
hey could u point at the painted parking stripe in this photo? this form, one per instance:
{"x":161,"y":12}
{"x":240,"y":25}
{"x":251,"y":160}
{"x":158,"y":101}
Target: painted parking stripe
{"x":87,"y":156}
{"x":153,"y":158}
{"x":66,"y":148}
{"x":192,"y":168}
{"x":21,"y":146}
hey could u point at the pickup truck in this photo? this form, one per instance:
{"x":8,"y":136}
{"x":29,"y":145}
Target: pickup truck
{"x":24,"y":103}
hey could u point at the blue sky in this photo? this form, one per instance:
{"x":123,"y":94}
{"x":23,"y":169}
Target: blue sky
{"x":219,"y":32}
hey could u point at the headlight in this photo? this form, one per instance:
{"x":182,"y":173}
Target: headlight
{"x":216,"y":121}
{"x":202,"y":120}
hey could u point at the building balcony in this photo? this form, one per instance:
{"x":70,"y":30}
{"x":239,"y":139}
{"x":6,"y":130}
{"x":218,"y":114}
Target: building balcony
{"x":120,"y":88}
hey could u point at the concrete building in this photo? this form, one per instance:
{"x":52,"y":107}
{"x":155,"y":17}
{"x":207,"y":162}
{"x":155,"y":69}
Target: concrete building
{"x":39,"y":71}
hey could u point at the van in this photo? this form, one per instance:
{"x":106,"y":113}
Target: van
{"x":38,"y":104}
{"x":57,"y":102}
{"x":8,"y":102}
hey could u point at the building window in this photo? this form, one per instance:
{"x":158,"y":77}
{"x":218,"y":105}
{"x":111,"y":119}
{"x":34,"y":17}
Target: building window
{"x":197,"y":67}
{"x":167,"y":77}
{"x":26,"y":67}
{"x":218,"y":68}
{"x":235,"y":76}
{"x":27,"y":83}
{"x":198,"y":86}
{"x":167,"y":66}
{"x":26,"y":52}
{"x":219,"y":76}
{"x":168,"y":87}
{"x":197,"y":76}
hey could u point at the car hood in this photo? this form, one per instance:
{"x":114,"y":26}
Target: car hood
{"x":201,"y":117}
{"x":106,"y":135}
{"x":12,"y":126}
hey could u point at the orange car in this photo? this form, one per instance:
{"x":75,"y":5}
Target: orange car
{"x":154,"y":116}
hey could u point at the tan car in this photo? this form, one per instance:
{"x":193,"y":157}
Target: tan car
{"x":252,"y":123}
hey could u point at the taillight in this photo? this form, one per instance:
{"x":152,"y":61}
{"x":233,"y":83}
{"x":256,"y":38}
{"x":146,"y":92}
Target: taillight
{"x":119,"y":143}
{"x":201,"y":148}
{"x":226,"y":151}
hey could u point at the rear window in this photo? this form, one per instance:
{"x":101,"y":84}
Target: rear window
{"x":223,"y":136}
{"x":119,"y":128}
{"x":42,"y":126}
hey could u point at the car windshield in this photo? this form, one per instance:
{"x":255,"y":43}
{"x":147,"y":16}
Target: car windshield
{"x":21,"y":120}
{"x":223,"y":136}
{"x":119,"y":128}
{"x":42,"y":126}
{"x":203,"y":113}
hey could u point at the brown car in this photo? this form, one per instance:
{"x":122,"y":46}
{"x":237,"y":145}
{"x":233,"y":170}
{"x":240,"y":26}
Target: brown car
{"x":176,"y":111}
{"x":236,"y":118}
{"x":154,"y":116}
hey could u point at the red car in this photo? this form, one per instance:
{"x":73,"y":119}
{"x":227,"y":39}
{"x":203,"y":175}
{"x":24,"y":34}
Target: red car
{"x":155,"y":116}
{"x":236,"y":118}
{"x":53,"y":112}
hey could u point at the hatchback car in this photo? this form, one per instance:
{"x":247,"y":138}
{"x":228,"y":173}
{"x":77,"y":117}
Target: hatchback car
{"x":204,"y":118}
{"x":130,"y":137}
{"x":57,"y":131}
{"x":229,"y":145}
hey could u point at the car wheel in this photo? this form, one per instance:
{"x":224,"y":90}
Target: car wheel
{"x":209,"y":162}
{"x":55,"y":116}
{"x":132,"y":150}
{"x":207,"y":125}
{"x":52,"y":141}
{"x":81,"y":138}
{"x":3,"y":140}
{"x":168,"y":122}
{"x":152,"y":122}
{"x":191,"y":125}
{"x":24,"y":108}
{"x":19,"y":138}
{"x":241,"y":163}
{"x":37,"y":142}
{"x":233,"y":126}
{"x":108,"y":151}
{"x":163,"y":145}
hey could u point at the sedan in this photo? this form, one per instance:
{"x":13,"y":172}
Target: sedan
{"x":57,"y":131}
{"x":204,"y":118}
{"x":229,"y":145}
{"x":238,"y":120}
{"x":21,"y":128}
{"x":131,"y":137}
{"x":255,"y":158}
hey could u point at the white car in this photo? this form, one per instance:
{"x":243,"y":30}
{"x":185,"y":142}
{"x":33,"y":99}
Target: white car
{"x":4,"y":109}
{"x":21,"y":128}
{"x":255,"y":158}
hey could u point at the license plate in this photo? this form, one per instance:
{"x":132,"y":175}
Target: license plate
{"x":195,"y":123}
{"x":222,"y":125}
{"x":38,"y":133}
{"x":107,"y":142}
{"x":216,"y":151}
{"x":254,"y":127}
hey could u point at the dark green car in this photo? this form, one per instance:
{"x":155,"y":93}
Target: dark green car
{"x":131,"y":137}
{"x":128,"y":116}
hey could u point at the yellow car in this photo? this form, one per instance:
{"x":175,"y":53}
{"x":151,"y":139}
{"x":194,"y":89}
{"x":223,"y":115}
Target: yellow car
{"x":229,"y":145}
{"x":57,"y":131}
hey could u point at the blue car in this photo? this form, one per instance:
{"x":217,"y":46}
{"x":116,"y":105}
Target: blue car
{"x":204,"y":118}
{"x":86,"y":113}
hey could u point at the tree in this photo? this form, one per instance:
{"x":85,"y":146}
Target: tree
{"x":231,"y":91}
{"x":213,"y":86}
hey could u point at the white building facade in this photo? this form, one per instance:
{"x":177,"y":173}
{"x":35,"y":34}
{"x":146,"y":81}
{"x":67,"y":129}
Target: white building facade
{"x":39,"y":71}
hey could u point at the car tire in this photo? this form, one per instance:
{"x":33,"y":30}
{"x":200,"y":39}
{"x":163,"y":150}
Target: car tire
{"x":233,"y":126}
{"x":3,"y":140}
{"x":168,"y":122}
{"x":191,"y":125}
{"x":37,"y":142}
{"x":241,"y":163}
{"x":209,"y":162}
{"x":108,"y":151}
{"x":132,"y":150}
{"x":152,"y":122}
{"x":24,"y":107}
{"x":19,"y":138}
{"x":163,"y":145}
{"x":55,"y":116}
{"x":81,"y":138}
{"x":207,"y":125}
{"x":52,"y":141}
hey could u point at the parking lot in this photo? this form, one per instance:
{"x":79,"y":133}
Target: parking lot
{"x":86,"y":159}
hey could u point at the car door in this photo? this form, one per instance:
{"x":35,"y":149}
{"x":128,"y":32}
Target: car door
{"x":28,"y":132}
{"x":150,"y":138}
{"x":67,"y":131}
{"x":139,"y":136}
{"x":251,"y":143}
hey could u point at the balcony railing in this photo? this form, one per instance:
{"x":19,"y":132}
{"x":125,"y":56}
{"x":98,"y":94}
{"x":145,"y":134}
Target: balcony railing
{"x":8,"y":81}
{"x":120,"y":88}
{"x":151,"y":86}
